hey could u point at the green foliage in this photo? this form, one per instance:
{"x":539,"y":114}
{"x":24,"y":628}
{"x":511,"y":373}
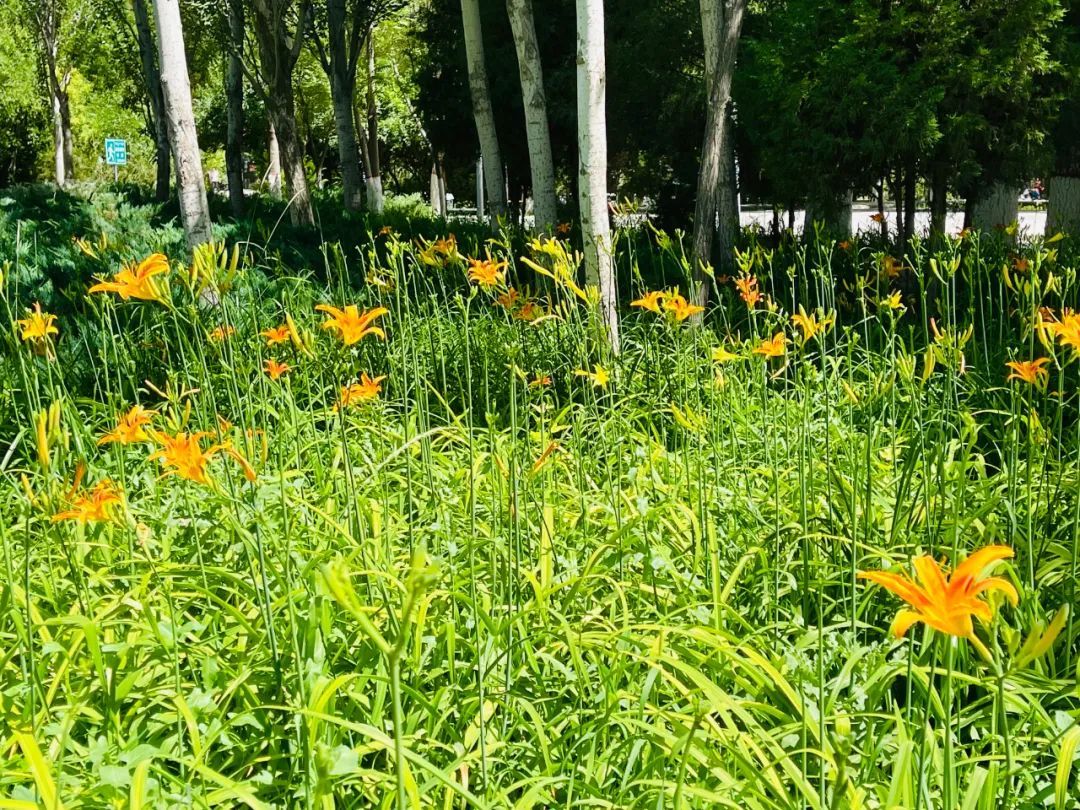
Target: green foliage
{"x":476,"y":591}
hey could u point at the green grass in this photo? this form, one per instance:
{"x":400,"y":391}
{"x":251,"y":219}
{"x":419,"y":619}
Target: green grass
{"x":477,"y":592}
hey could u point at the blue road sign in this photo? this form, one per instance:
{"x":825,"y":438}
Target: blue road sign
{"x":115,"y":152}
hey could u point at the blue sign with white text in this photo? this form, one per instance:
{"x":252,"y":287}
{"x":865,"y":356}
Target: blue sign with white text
{"x":115,"y":152}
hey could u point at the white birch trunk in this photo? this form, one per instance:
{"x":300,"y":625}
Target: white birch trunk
{"x":531,"y":73}
{"x":58,"y":143}
{"x":482,"y":111}
{"x":999,"y":206}
{"x":1063,"y":208}
{"x":273,"y":170}
{"x":176,"y":90}
{"x":592,"y":161}
{"x":375,"y":196}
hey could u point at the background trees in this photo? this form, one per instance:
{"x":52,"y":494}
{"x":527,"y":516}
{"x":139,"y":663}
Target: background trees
{"x":914,"y":102}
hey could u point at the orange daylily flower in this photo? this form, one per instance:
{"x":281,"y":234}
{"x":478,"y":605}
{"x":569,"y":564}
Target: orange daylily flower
{"x":130,"y":427}
{"x":385,"y":230}
{"x":1020,"y":264}
{"x":878,"y":218}
{"x":681,"y":308}
{"x":183,"y":455}
{"x":487,"y":273}
{"x":1033,"y":372}
{"x":276,"y":370}
{"x":947,"y":602}
{"x":278,"y":334}
{"x":844,"y":244}
{"x":772,"y":347}
{"x":364,"y":391}
{"x":563,"y":228}
{"x":351,"y":324}
{"x":138,"y":280}
{"x":37,"y":325}
{"x":748,"y":290}
{"x":96,"y":506}
{"x":650,"y":301}
{"x":540,"y":381}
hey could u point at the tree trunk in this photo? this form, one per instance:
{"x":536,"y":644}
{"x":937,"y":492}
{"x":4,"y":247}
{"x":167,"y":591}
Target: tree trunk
{"x":69,"y":139}
{"x":176,"y":91}
{"x":729,"y":17}
{"x":152,"y":82}
{"x":58,"y":142}
{"x":910,"y":179}
{"x":727,"y":205}
{"x":278,"y":52}
{"x":234,"y":100}
{"x":1063,"y":206}
{"x":374,"y":180}
{"x":939,"y":202}
{"x":495,"y":185}
{"x":342,"y":70}
{"x":531,"y":72}
{"x":997,"y":207}
{"x":273,"y":169}
{"x":727,"y":232}
{"x":832,"y":212}
{"x":592,"y":162}
{"x":291,"y":154}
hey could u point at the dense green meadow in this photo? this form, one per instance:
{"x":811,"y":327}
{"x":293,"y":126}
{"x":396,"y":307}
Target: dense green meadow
{"x":458,"y":554}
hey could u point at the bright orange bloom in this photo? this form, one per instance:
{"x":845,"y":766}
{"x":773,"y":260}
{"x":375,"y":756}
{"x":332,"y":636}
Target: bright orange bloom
{"x":386,"y":230}
{"x":1033,"y":372}
{"x":540,"y":381}
{"x":130,"y":427}
{"x":137,"y":280}
{"x":878,"y":218}
{"x":37,"y":325}
{"x":562,"y":228}
{"x":947,"y":603}
{"x":279,"y":334}
{"x":650,"y":301}
{"x":486,"y":272}
{"x":773,"y":347}
{"x":183,"y":455}
{"x":844,"y":244}
{"x":351,"y":324}
{"x":276,"y":370}
{"x":220,"y":334}
{"x":364,"y":391}
{"x":1020,"y":264}
{"x":681,"y":308}
{"x":446,"y":246}
{"x":748,"y":290}
{"x":96,"y":506}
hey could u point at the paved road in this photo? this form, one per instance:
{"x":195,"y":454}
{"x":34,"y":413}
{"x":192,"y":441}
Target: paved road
{"x":1032,"y":222}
